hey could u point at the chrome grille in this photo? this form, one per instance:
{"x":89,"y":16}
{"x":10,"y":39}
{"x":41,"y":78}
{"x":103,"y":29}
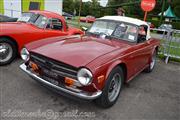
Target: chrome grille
{"x":60,"y":68}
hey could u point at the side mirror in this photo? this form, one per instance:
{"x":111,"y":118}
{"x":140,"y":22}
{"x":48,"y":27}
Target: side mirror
{"x":84,"y":28}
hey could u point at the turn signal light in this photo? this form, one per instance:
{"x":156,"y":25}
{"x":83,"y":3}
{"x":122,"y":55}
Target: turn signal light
{"x":33,"y":66}
{"x":100,"y":79}
{"x":69,"y":81}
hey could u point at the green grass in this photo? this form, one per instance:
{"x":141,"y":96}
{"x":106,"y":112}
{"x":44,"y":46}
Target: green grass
{"x":74,"y":23}
{"x":173,"y":50}
{"x":161,"y":56}
{"x":177,"y":35}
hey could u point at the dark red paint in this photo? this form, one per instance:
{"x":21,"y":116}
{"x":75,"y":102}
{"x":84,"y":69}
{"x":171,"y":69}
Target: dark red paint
{"x":100,"y":56}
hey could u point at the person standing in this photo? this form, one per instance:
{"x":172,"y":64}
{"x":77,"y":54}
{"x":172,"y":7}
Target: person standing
{"x":120,"y":11}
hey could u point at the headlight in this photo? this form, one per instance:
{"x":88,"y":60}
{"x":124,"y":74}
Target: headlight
{"x":25,"y":54}
{"x":84,"y":76}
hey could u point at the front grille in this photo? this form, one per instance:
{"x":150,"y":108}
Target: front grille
{"x":62,"y":69}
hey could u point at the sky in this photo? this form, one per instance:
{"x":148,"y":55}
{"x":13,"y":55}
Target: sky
{"x":102,"y":2}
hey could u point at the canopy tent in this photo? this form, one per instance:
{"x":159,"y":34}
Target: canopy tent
{"x":168,"y":13}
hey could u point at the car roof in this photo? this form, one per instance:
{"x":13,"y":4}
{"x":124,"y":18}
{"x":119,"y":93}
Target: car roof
{"x":125,"y":19}
{"x":46,"y":13}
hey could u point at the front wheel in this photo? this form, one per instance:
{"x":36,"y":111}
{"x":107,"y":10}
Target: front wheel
{"x":8,"y":51}
{"x":112,"y":88}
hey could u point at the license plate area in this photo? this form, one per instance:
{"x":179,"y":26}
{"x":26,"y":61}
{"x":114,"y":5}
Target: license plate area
{"x":52,"y":77}
{"x":47,"y":74}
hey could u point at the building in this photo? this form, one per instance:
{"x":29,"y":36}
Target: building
{"x":14,"y":8}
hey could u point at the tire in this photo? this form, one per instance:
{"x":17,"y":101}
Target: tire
{"x":105,"y":100}
{"x":152,"y":64}
{"x":8,"y":46}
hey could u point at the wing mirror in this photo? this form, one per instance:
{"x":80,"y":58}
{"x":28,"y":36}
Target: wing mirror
{"x":84,"y":28}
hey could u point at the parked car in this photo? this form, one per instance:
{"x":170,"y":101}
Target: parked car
{"x":151,"y":25}
{"x":94,"y":66}
{"x":32,"y":26}
{"x":88,"y":19}
{"x":164,"y":28}
{"x":4,"y":18}
{"x":67,"y":15}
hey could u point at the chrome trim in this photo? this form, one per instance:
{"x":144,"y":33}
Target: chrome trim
{"x":58,"y":66}
{"x":38,"y":58}
{"x":80,"y":94}
{"x":55,"y":66}
{"x":64,"y":74}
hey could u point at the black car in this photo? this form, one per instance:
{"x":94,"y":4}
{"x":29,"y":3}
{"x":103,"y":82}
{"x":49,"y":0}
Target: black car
{"x":67,"y":15}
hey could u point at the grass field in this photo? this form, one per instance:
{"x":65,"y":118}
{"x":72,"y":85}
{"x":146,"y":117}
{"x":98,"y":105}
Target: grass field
{"x":173,"y":50}
{"x":74,"y":22}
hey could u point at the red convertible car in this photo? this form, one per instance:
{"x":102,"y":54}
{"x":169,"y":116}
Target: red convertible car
{"x":94,"y":66}
{"x":88,"y":19}
{"x":32,"y":26}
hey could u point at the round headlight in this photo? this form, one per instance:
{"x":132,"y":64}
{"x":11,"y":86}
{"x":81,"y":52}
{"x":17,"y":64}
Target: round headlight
{"x":25,"y":54}
{"x":84,"y":76}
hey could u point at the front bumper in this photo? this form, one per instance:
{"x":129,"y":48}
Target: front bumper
{"x":80,"y":94}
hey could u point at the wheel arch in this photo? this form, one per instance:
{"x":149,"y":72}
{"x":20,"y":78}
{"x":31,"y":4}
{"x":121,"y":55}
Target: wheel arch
{"x":124,"y":67}
{"x":118,"y":64}
{"x":12,"y":39}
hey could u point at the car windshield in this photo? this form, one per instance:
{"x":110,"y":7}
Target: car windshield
{"x":114,"y":29}
{"x":35,"y":19}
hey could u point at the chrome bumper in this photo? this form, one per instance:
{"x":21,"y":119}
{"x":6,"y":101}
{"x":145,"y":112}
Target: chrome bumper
{"x":80,"y":94}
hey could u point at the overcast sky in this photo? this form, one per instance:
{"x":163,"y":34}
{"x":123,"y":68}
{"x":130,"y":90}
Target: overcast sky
{"x":103,"y":2}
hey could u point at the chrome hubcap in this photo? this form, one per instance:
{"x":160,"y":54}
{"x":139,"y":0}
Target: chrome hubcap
{"x":5,"y":52}
{"x":114,"y":87}
{"x":153,"y":61}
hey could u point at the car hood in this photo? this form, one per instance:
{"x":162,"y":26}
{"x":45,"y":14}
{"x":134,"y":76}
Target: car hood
{"x":77,"y":52}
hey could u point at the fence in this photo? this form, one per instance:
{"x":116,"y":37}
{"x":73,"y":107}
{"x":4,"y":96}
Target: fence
{"x":170,"y":43}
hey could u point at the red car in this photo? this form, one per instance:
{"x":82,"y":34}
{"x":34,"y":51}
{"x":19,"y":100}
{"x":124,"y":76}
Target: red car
{"x":88,"y":19}
{"x":94,"y":66}
{"x":32,"y":26}
{"x":151,"y":25}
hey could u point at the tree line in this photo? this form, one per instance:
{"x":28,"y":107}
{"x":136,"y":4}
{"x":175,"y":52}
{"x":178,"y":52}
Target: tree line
{"x":93,"y":7}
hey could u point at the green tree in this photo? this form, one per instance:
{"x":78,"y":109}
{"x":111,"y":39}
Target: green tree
{"x":68,"y":6}
{"x":176,"y":7}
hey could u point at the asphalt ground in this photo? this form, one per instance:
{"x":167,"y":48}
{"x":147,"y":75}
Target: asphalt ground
{"x":149,"y":96}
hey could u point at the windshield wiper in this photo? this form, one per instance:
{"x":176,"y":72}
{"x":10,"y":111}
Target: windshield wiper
{"x":98,"y":34}
{"x":92,"y":33}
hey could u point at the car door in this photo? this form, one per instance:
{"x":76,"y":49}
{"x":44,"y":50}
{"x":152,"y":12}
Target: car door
{"x":142,"y":50}
{"x":139,"y":54}
{"x":137,"y":58}
{"x":142,"y":53}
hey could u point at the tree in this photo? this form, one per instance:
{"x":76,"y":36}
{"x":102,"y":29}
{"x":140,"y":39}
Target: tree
{"x":176,"y":7}
{"x":68,"y":6}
